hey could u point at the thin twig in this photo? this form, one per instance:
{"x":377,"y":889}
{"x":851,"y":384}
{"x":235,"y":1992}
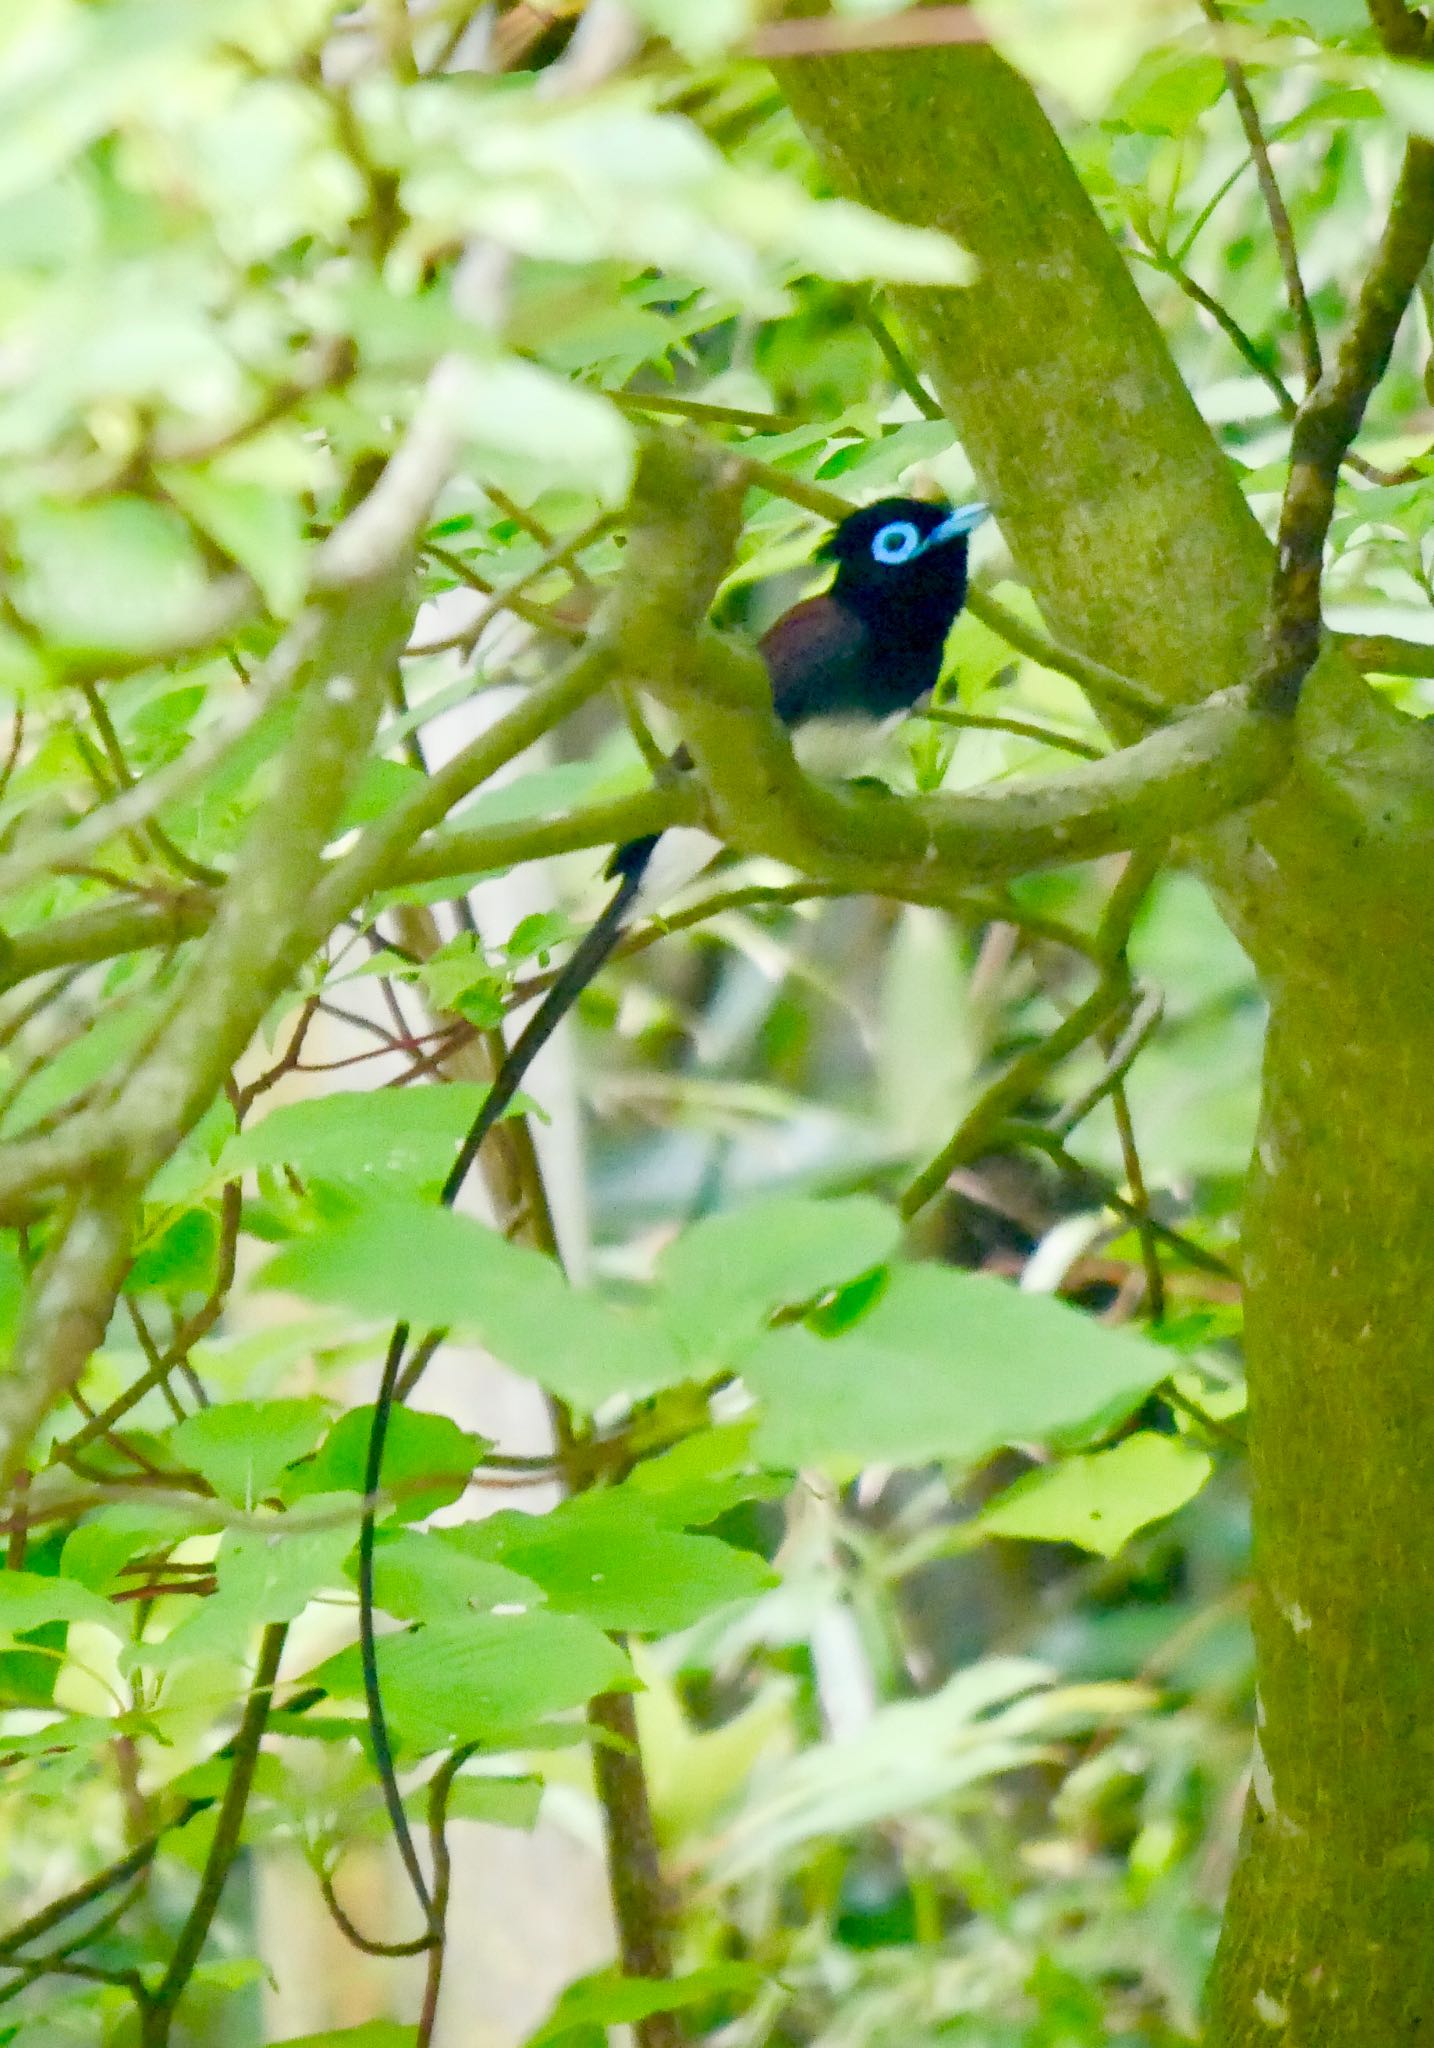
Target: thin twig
{"x":1022,"y":728}
{"x":224,"y":1846}
{"x":1280,"y":227}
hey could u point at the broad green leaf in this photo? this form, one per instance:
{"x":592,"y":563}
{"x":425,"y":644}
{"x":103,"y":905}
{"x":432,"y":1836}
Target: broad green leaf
{"x":1168,"y":91}
{"x":723,"y":1276}
{"x":558,"y":432}
{"x":608,"y":1999}
{"x":262,"y":529}
{"x":483,"y":1677}
{"x":433,"y":1269}
{"x":108,"y":1539}
{"x":1099,"y":1501}
{"x":263,"y":1576}
{"x":112,"y":576}
{"x":241,"y":1447}
{"x":179,"y":1257}
{"x":944,"y":1365}
{"x":427,"y":1461}
{"x":385,"y":1136}
{"x":429,"y":1577}
{"x":28,"y":1600}
{"x":605,"y":1555}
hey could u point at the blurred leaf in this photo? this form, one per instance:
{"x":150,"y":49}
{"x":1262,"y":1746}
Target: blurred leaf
{"x":558,"y":433}
{"x":371,"y":2034}
{"x":499,"y":1802}
{"x":179,"y":1258}
{"x":995,"y":1717}
{"x":608,"y":1999}
{"x":382,"y":1135}
{"x":1168,"y":91}
{"x":28,"y":1600}
{"x":114,"y":576}
{"x":261,"y":529}
{"x":1100,"y":1501}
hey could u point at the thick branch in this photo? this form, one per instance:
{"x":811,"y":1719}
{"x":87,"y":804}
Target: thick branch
{"x":258,"y":939}
{"x":919,"y":849}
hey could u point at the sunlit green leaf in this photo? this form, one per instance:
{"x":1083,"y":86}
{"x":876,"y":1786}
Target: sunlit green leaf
{"x":1100,"y":1501}
{"x":605,"y":1555}
{"x":385,"y":1137}
{"x":431,"y":1268}
{"x":944,"y":1365}
{"x":483,"y":1677}
{"x":241,"y":1447}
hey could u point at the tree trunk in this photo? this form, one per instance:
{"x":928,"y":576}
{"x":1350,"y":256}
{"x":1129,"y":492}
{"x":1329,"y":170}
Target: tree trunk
{"x":1131,"y":529}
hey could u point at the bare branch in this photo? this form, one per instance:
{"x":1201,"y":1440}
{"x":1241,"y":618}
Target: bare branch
{"x":1326,"y":425}
{"x":1280,"y":226}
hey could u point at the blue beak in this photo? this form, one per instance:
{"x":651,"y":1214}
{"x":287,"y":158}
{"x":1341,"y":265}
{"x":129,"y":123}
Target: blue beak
{"x":965,"y":519}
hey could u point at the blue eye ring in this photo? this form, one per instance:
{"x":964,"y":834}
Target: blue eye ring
{"x":896,"y":542}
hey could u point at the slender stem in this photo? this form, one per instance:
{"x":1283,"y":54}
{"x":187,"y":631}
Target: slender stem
{"x":243,"y":1762}
{"x":1280,"y":227}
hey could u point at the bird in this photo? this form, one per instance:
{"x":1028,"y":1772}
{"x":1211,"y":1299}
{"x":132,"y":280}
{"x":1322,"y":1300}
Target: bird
{"x":862,"y":651}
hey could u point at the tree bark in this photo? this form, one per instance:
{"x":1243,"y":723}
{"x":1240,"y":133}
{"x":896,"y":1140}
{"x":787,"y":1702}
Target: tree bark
{"x":1131,"y":529}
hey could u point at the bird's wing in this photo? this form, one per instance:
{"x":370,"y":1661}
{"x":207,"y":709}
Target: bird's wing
{"x":807,"y":653}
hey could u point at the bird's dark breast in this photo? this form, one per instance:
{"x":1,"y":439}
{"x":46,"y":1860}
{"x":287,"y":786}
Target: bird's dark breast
{"x":834,"y":660}
{"x":825,"y":661}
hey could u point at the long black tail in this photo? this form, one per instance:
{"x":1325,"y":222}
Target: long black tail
{"x":629,"y":864}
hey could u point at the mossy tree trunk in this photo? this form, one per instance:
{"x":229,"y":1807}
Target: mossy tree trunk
{"x":1130,"y":527}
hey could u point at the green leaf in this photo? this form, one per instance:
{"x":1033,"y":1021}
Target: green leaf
{"x":1168,"y":91}
{"x":241,"y":1447}
{"x":28,"y":1600}
{"x":259,"y":528}
{"x":427,"y":1461}
{"x":459,"y":977}
{"x":430,"y":1577}
{"x":263,"y":1576}
{"x":433,"y":1269}
{"x":606,"y":1555}
{"x":726,"y":1274}
{"x":944,"y":1365}
{"x":698,"y":32}
{"x":608,"y":1999}
{"x":108,"y":577}
{"x":372,"y":2034}
{"x":179,"y":1258}
{"x":1100,"y":1501}
{"x":501,"y":1802}
{"x":557,"y":432}
{"x":381,"y":1136}
{"x":381,"y":785}
{"x":483,"y":1677}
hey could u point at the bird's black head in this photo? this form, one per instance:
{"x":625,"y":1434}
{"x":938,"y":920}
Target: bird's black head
{"x":902,"y":555}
